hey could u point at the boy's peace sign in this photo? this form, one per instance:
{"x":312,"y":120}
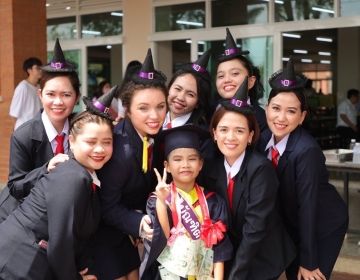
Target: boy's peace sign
{"x":162,"y":189}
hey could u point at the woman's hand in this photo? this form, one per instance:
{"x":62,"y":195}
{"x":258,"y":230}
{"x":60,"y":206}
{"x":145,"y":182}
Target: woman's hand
{"x":304,"y":274}
{"x":162,"y":189}
{"x":56,"y":160}
{"x":145,"y":228}
{"x":87,"y":277}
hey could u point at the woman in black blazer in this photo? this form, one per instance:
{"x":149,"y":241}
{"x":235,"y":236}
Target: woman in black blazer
{"x":47,"y":235}
{"x":33,"y":145}
{"x":262,"y":247}
{"x":314,"y":214}
{"x":128,"y":178}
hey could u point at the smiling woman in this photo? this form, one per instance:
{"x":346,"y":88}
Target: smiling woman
{"x":128,"y":178}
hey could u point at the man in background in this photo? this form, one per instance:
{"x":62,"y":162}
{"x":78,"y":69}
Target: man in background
{"x":25,"y":102}
{"x":347,"y":118}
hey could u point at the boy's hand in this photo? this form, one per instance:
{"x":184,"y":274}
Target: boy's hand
{"x":162,"y":189}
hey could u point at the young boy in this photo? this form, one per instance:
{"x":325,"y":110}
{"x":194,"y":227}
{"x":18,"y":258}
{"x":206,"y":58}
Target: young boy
{"x":189,"y":223}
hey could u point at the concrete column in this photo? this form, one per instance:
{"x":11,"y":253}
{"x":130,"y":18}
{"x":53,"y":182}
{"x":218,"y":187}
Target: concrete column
{"x":23,"y":34}
{"x":137,"y":25}
{"x":348,"y":61}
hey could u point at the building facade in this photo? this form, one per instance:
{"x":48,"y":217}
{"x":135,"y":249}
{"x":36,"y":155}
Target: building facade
{"x":102,"y":36}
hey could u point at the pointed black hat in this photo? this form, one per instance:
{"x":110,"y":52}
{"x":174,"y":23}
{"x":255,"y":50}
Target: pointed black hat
{"x":198,"y":67}
{"x":58,"y":62}
{"x":239,"y":102}
{"x":101,"y":106}
{"x":286,"y":79}
{"x":231,"y":49}
{"x":147,"y":73}
{"x":201,"y":63}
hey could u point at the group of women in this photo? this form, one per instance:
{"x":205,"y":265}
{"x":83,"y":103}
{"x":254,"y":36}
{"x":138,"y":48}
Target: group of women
{"x":282,"y":213}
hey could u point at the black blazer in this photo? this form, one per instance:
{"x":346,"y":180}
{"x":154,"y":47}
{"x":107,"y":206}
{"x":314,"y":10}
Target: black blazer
{"x":125,"y":187}
{"x":311,"y":207}
{"x":30,"y":152}
{"x":61,"y":209}
{"x":263,"y":248}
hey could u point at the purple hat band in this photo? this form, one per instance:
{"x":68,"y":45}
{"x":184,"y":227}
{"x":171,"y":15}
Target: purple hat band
{"x":287,"y":83}
{"x":239,"y":103}
{"x":57,"y":65}
{"x":198,"y":68}
{"x":231,"y":51}
{"x":146,"y":75}
{"x":101,"y":107}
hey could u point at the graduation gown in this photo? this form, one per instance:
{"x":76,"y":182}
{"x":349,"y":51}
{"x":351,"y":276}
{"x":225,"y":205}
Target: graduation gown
{"x":311,"y":207}
{"x":125,"y":189}
{"x":61,"y":209}
{"x":262,"y":247}
{"x":222,"y":250}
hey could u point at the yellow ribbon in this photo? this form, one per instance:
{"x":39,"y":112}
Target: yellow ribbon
{"x":145,"y":154}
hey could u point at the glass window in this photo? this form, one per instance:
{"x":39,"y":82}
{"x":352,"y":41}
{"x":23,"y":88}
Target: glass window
{"x":62,"y":28}
{"x":225,"y":12}
{"x":289,"y":10}
{"x":180,"y":17}
{"x":350,"y":7}
{"x":100,"y":25}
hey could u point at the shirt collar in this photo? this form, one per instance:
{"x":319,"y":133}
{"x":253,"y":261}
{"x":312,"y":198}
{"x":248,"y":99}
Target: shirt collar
{"x":95,"y":179}
{"x":280,"y":146}
{"x":235,"y":168}
{"x":50,"y":129}
{"x":179,"y":121}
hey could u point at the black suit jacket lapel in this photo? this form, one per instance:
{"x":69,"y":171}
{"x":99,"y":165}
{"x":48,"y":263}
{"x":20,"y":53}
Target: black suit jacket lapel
{"x":40,"y":139}
{"x":239,"y":187}
{"x":290,"y":146}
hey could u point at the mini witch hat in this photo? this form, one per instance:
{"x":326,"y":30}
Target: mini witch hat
{"x":199,"y":66}
{"x":231,"y":50}
{"x":101,"y":106}
{"x":58,"y":62}
{"x":286,"y":79}
{"x":239,"y":102}
{"x":147,"y":74}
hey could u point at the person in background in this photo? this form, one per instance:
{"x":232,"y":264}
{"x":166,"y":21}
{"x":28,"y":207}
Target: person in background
{"x":247,"y":182}
{"x":314,"y":214}
{"x":232,"y":68}
{"x":127,"y":179}
{"x":181,"y":250}
{"x":189,"y":92}
{"x":25,"y":103}
{"x":347,"y":126}
{"x":42,"y":142}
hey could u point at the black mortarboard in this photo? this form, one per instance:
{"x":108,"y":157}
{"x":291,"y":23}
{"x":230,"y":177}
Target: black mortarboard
{"x":231,"y":50}
{"x":185,"y":136}
{"x":147,"y":74}
{"x":239,"y":102}
{"x":58,"y":62}
{"x":101,"y":106}
{"x":286,"y":79}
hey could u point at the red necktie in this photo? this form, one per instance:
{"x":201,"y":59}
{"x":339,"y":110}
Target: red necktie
{"x":150,"y":152}
{"x":168,"y":125}
{"x":59,"y":144}
{"x":93,"y":187}
{"x":274,"y":156}
{"x":230,"y":190}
